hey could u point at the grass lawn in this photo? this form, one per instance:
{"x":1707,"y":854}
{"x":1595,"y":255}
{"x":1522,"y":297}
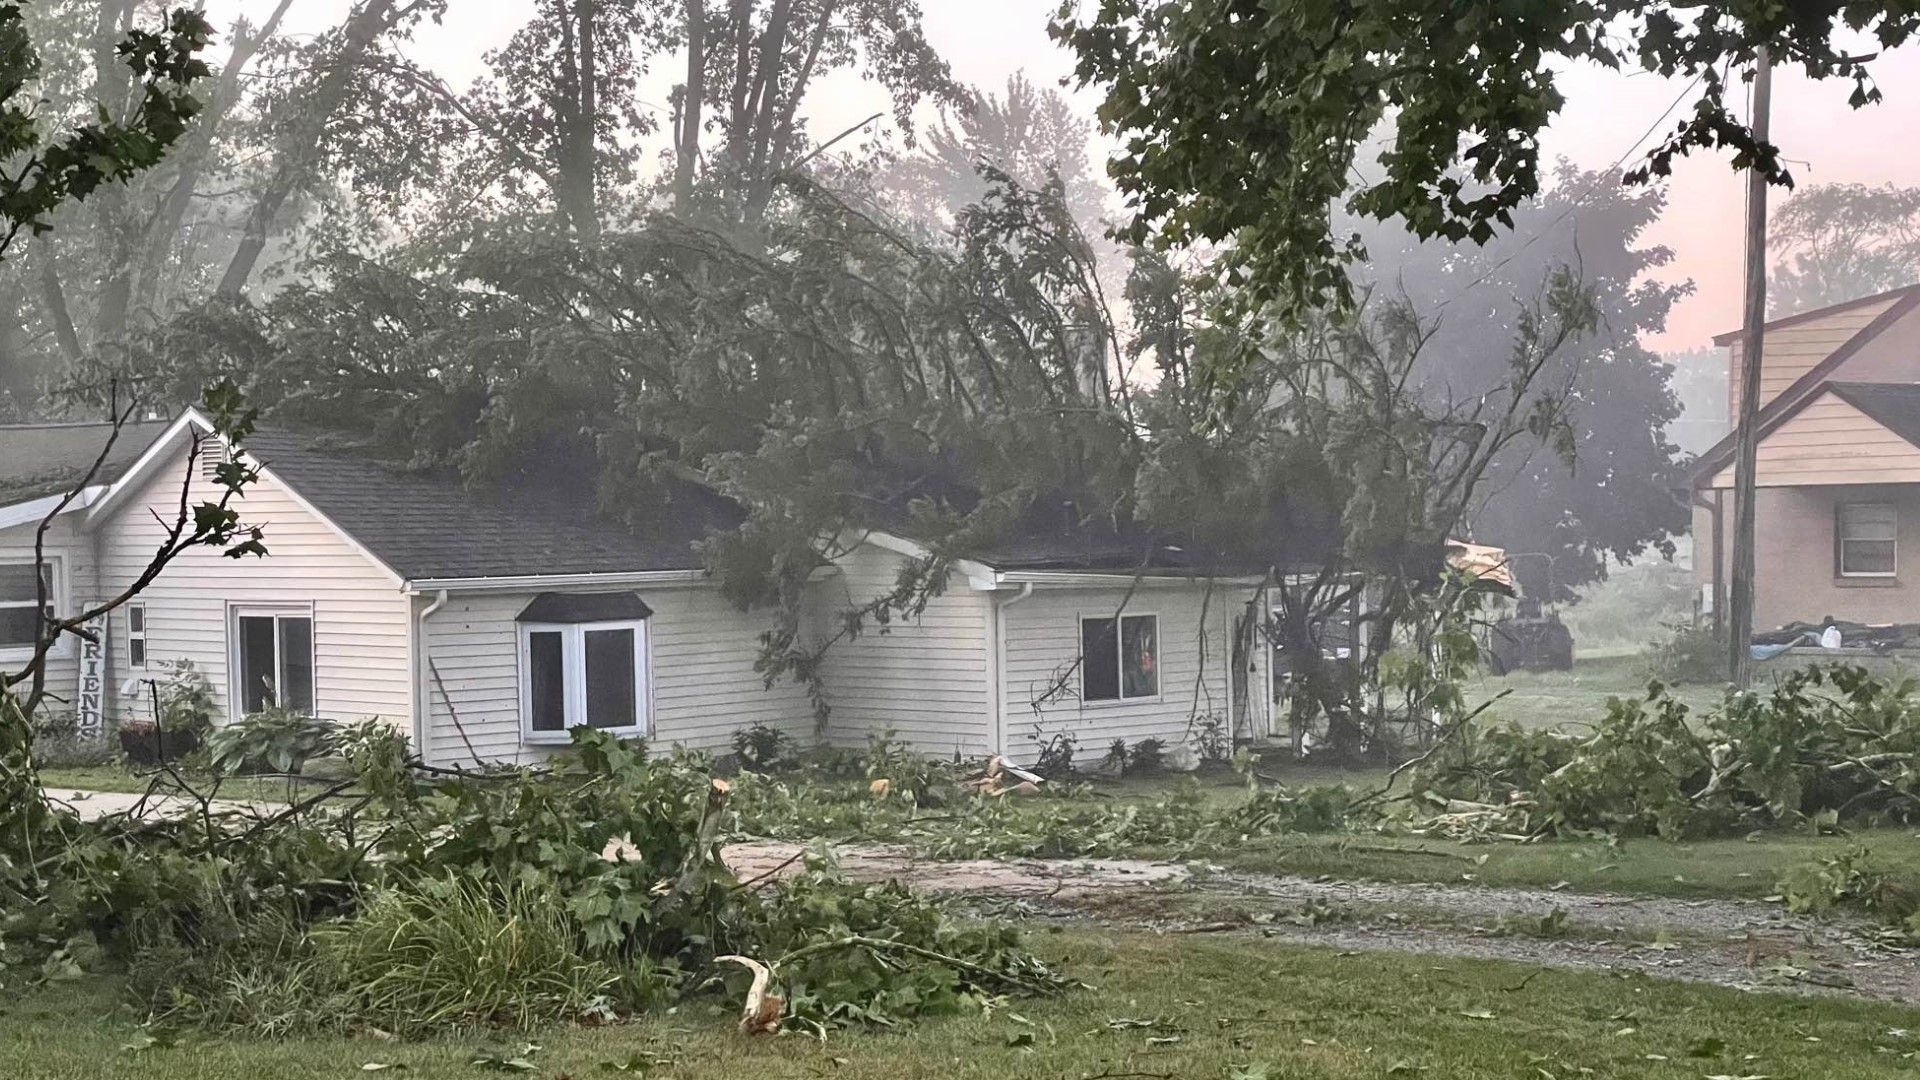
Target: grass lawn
{"x":1163,"y":1006}
{"x":60,"y":782}
{"x":1575,"y":698}
{"x":1705,"y":868}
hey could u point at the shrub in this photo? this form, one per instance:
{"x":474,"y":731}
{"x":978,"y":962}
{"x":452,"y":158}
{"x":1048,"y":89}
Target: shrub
{"x":58,"y":744}
{"x":762,"y":748}
{"x":1686,"y":654}
{"x":1055,"y":758}
{"x":1147,"y":757}
{"x":1211,"y":742}
{"x":272,"y":740}
{"x":455,"y":952}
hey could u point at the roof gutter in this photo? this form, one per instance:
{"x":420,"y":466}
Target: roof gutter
{"x":36,"y":510}
{"x":535,"y":582}
{"x":1070,"y":578}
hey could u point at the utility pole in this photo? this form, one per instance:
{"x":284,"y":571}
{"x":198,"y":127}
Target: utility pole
{"x":1740,"y":596}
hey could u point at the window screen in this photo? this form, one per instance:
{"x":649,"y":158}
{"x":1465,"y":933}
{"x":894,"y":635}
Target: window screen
{"x":611,"y":689}
{"x":257,"y":674}
{"x":1099,"y":660}
{"x":296,"y":664}
{"x":1866,"y":536}
{"x":547,"y":694}
{"x":1139,"y":649}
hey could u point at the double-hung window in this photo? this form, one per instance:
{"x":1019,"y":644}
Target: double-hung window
{"x":583,"y":663}
{"x":27,"y":601}
{"x":1865,"y":540}
{"x":273,"y":658}
{"x":1119,"y":658}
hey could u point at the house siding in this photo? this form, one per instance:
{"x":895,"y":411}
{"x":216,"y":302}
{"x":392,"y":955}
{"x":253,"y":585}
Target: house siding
{"x":1792,"y":351}
{"x":74,"y":551}
{"x":1830,"y":442}
{"x":360,"y":628}
{"x":702,"y":653}
{"x":925,"y":677}
{"x":1041,"y":677}
{"x":1795,"y":577}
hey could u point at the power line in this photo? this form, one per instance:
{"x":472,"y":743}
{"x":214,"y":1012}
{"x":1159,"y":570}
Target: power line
{"x":1611,"y":171}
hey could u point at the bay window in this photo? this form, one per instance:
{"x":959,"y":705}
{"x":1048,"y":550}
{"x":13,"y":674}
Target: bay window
{"x":583,"y":663}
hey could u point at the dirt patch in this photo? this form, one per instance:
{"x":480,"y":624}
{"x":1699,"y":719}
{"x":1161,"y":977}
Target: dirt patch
{"x":1745,"y":944}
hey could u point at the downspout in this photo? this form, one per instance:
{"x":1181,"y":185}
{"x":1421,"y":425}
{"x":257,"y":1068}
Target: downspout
{"x":1715,"y":509}
{"x":997,"y":692}
{"x":422,"y":687}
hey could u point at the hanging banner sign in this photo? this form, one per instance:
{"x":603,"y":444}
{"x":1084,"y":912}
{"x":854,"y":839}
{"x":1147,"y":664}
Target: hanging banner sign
{"x":90,"y":700}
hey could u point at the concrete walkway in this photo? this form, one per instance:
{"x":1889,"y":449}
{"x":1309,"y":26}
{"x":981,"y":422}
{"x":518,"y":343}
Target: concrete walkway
{"x":91,"y":805}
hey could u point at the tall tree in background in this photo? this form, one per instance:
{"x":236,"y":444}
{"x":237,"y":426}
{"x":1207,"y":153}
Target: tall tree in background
{"x":1700,"y":383}
{"x":1838,"y":242}
{"x":737,"y":119}
{"x":265,"y":145}
{"x":1610,"y":500}
{"x":1025,"y":134}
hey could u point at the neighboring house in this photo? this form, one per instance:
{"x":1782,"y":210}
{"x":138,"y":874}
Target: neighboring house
{"x":1837,"y":469}
{"x":487,"y":624}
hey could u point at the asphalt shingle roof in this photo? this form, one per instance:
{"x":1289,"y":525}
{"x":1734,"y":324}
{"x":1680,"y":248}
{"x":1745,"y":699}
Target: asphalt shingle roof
{"x":38,"y":460}
{"x":429,"y":525}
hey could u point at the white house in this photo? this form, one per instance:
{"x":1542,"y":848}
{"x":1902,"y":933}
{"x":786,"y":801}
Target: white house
{"x":487,"y":624}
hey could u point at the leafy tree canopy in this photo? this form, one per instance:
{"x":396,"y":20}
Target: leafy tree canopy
{"x":39,"y":174}
{"x":1242,"y":120}
{"x":1838,"y":242}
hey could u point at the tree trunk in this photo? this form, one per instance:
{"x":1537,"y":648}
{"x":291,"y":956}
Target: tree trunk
{"x":578,"y":155}
{"x":302,"y":147}
{"x":766,"y":87}
{"x":164,"y":230}
{"x":54,"y":297}
{"x":692,"y":98}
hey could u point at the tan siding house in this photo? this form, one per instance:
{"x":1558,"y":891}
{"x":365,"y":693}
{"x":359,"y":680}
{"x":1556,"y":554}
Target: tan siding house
{"x":1837,"y":470}
{"x":487,"y":625}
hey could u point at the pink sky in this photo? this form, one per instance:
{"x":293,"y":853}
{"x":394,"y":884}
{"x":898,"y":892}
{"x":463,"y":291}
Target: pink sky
{"x":987,"y":40}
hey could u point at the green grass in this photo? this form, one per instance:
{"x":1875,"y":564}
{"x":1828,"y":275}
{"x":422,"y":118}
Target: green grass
{"x":1707,"y":868}
{"x":1210,"y":1006}
{"x":62,"y":781}
{"x":1573,"y":699}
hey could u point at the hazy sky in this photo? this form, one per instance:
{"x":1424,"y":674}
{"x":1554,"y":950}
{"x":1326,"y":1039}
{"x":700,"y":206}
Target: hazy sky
{"x":987,"y":40}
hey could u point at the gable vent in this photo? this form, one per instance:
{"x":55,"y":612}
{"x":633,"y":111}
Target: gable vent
{"x":213,"y":454}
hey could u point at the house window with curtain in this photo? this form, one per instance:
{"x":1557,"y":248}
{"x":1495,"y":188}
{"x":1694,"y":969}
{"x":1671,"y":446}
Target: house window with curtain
{"x":1119,"y":658}
{"x":583,"y":663}
{"x":272,"y":658}
{"x":27,"y":600}
{"x":1866,"y":540}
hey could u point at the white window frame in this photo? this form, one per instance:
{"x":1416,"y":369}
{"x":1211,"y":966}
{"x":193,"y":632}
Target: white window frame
{"x":57,"y":596}
{"x":1840,"y":541}
{"x":1159,"y":646}
{"x":137,"y":636}
{"x":573,"y":660}
{"x":236,"y":698}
